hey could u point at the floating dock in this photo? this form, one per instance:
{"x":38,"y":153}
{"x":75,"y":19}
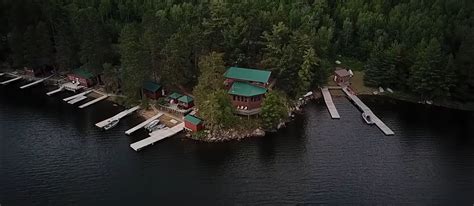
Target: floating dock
{"x":385,"y":129}
{"x":55,"y":91}
{"x":1,"y":74}
{"x":157,"y":136}
{"x":11,"y":80}
{"x":141,"y":125}
{"x":93,"y":101}
{"x":329,"y":103}
{"x":118,"y":116}
{"x":76,"y":100}
{"x":76,"y":96}
{"x":35,"y":83}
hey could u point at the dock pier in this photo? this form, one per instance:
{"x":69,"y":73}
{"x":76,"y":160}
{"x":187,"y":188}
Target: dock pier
{"x":329,"y":103}
{"x":93,"y":101}
{"x":67,"y":99}
{"x":55,"y":91}
{"x":157,"y":136}
{"x":77,"y":99}
{"x":118,"y":116}
{"x":141,"y":125}
{"x":385,"y":129}
{"x":35,"y":82}
{"x":11,"y":80}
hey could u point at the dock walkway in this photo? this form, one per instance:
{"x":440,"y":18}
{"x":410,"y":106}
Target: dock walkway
{"x":157,"y":136}
{"x":35,"y":83}
{"x":141,"y":125}
{"x":55,"y":91}
{"x":117,"y":117}
{"x":11,"y":80}
{"x":93,"y":101}
{"x":76,"y":96}
{"x":76,"y":100}
{"x":385,"y":129}
{"x":329,"y":103}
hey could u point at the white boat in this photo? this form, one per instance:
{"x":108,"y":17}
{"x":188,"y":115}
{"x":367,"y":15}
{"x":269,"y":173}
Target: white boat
{"x":367,"y":118}
{"x":152,"y":124}
{"x":112,"y":124}
{"x":156,"y":127}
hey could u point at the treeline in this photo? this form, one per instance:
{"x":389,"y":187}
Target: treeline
{"x":425,"y":47}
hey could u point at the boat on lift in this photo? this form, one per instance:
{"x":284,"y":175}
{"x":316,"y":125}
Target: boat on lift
{"x":111,"y":124}
{"x":367,"y":118}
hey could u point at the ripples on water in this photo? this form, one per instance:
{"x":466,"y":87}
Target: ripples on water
{"x":51,"y":154}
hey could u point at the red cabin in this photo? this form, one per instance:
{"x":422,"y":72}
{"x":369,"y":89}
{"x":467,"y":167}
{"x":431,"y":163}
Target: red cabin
{"x":186,"y":102}
{"x":152,"y":90}
{"x":84,"y":77}
{"x":192,"y":123}
{"x":247,"y":89}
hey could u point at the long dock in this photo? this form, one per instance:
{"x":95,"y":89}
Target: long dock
{"x":35,"y":83}
{"x":11,"y":80}
{"x":93,"y":101}
{"x":55,"y":91}
{"x":141,"y":125}
{"x":329,"y":103}
{"x":157,"y":136}
{"x":117,"y":117}
{"x":76,"y":96}
{"x":385,"y":129}
{"x":76,"y":100}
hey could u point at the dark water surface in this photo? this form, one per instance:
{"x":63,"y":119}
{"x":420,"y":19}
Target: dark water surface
{"x":52,"y":154}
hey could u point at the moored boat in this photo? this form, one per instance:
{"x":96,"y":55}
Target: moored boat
{"x":367,"y":118}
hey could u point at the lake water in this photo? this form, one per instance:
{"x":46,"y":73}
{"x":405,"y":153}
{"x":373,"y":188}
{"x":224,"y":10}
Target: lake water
{"x":52,"y":154}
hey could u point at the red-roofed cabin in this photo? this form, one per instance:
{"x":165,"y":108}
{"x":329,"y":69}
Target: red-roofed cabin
{"x":342,"y":76}
{"x":192,"y":123}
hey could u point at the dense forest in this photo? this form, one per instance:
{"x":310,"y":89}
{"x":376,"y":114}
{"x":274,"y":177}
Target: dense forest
{"x":422,"y":47}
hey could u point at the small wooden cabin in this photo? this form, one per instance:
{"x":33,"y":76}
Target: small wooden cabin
{"x":186,"y":102}
{"x":342,"y":76}
{"x":84,"y":77}
{"x":192,"y":123}
{"x":152,"y":90}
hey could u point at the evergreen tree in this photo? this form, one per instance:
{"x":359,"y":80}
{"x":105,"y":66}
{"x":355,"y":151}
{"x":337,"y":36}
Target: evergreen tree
{"x":274,"y":110}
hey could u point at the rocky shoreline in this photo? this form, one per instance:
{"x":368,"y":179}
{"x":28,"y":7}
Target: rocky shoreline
{"x":226,"y":135}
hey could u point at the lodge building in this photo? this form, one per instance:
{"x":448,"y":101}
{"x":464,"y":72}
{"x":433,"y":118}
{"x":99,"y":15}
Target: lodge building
{"x":247,"y":89}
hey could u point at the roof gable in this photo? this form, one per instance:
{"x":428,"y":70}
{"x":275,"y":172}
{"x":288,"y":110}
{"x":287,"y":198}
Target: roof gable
{"x":192,"y":119}
{"x":175,"y":95}
{"x":83,"y":73}
{"x":151,"y":86}
{"x":253,"y":75}
{"x":185,"y":99}
{"x":246,"y":89}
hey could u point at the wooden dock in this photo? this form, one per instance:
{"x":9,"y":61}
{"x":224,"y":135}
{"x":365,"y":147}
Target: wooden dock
{"x":141,"y":125}
{"x":117,"y":117}
{"x":76,"y":96}
{"x":77,"y":99}
{"x":93,"y":101}
{"x":11,"y":80}
{"x":329,"y":103}
{"x":157,"y":136}
{"x":385,"y":129}
{"x":1,"y":74}
{"x":55,"y":91}
{"x":35,"y":83}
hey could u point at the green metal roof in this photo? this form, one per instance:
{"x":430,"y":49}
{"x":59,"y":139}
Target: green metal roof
{"x":194,"y":120}
{"x":245,"y":89}
{"x":151,"y":86}
{"x":185,"y":99}
{"x":175,"y":95}
{"x":253,"y":75}
{"x":83,"y":73}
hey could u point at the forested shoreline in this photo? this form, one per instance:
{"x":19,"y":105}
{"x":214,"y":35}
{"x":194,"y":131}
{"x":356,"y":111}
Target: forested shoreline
{"x":420,"y":47}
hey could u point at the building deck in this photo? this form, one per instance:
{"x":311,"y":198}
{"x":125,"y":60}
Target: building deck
{"x":157,"y":136}
{"x":35,"y":82}
{"x":55,"y":91}
{"x":76,"y":100}
{"x":11,"y":80}
{"x":76,"y":96}
{"x":141,"y":125}
{"x":385,"y":129}
{"x":72,"y":87}
{"x":93,"y":101}
{"x":330,"y":104}
{"x":117,"y":117}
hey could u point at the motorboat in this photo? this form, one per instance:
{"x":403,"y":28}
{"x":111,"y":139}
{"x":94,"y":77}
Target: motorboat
{"x":111,"y":124}
{"x":152,"y":124}
{"x":156,"y":127}
{"x":367,"y":118}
